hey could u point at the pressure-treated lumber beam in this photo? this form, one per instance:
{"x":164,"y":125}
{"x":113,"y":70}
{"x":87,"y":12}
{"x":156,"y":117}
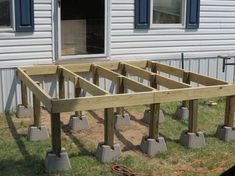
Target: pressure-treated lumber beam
{"x":205,"y":80}
{"x":154,"y":121}
{"x":24,"y":95}
{"x":230,"y":111}
{"x":78,"y":67}
{"x":109,"y":127}
{"x":163,"y":81}
{"x":61,"y":83}
{"x":132,"y":99}
{"x":167,"y":69}
{"x":36,"y":110}
{"x":56,"y":133}
{"x":128,"y":83}
{"x":193,"y":111}
{"x":83,"y":83}
{"x":41,"y":94}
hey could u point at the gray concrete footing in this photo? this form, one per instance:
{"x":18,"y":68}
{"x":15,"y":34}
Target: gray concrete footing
{"x":225,"y":133}
{"x":24,"y":112}
{"x":192,"y":140}
{"x":38,"y":134}
{"x":151,"y":146}
{"x":182,"y":113}
{"x":146,"y":118}
{"x":79,"y":123}
{"x":54,"y":163}
{"x":122,"y":121}
{"x":107,"y":154}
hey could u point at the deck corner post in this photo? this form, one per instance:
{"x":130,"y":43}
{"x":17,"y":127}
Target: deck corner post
{"x":108,"y":151}
{"x":226,"y":131}
{"x":61,"y":84}
{"x":191,"y":138}
{"x":57,"y":158}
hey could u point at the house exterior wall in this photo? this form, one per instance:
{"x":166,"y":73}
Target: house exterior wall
{"x":215,"y":36}
{"x":21,"y":48}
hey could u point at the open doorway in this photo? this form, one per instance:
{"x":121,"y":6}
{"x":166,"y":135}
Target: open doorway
{"x":82,"y":27}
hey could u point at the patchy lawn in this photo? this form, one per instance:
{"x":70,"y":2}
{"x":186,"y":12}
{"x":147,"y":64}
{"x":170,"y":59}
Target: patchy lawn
{"x":21,"y":157}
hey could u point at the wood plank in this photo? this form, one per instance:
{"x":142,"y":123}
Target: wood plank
{"x":24,"y":95}
{"x":83,"y":83}
{"x":168,"y":69}
{"x":170,"y":83}
{"x":108,"y":127}
{"x":229,"y":111}
{"x":136,"y":86}
{"x":132,"y":99}
{"x":61,"y":84}
{"x":41,"y":94}
{"x":56,"y":133}
{"x":193,"y":112}
{"x":186,"y":79}
{"x":41,"y":70}
{"x":106,"y":73}
{"x":205,"y":80}
{"x":36,"y":110}
{"x":154,"y":121}
{"x":137,"y":71}
{"x":120,"y":90}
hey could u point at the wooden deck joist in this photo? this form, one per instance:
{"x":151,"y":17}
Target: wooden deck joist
{"x":163,"y":81}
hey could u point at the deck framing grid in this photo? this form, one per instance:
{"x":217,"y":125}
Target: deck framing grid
{"x":142,"y":94}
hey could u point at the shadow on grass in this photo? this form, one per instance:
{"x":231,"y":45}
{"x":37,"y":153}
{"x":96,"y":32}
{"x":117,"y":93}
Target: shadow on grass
{"x":30,"y":165}
{"x":83,"y":151}
{"x":96,"y":116}
{"x":137,"y":120}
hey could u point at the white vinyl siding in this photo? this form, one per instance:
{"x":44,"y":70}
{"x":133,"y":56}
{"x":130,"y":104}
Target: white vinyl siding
{"x":215,"y":36}
{"x":25,"y":48}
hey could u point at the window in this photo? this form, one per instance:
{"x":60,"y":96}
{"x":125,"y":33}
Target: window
{"x":167,"y":11}
{"x":5,"y":13}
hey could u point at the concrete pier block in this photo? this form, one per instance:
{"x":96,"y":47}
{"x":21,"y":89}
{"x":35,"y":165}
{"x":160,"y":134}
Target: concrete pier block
{"x":225,"y":133}
{"x":192,"y":140}
{"x":146,"y":118}
{"x":38,"y":134}
{"x":182,"y":113}
{"x":122,"y":121}
{"x":79,"y":123}
{"x":24,"y":112}
{"x":107,"y":154}
{"x":151,"y":146}
{"x":54,"y":163}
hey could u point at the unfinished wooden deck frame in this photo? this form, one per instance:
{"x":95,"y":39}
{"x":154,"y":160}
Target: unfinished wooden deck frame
{"x":117,"y":71}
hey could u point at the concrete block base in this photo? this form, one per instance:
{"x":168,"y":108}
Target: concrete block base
{"x":225,"y":133}
{"x":106,"y":154}
{"x":54,"y":163}
{"x":38,"y":134}
{"x":192,"y":140}
{"x":78,"y":123}
{"x":146,"y":118}
{"x":24,"y":112}
{"x":122,"y":121}
{"x":182,"y":113}
{"x":151,"y":147}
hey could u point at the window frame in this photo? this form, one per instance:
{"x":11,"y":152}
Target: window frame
{"x":162,"y":25}
{"x":12,"y":19}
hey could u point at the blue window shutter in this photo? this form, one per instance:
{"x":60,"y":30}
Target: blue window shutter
{"x":24,"y":15}
{"x":193,"y":14}
{"x":142,"y":14}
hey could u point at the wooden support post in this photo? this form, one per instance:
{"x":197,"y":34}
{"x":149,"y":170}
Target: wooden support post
{"x":77,"y":93}
{"x":154,"y":113}
{"x":61,"y":85}
{"x":95,"y":75}
{"x":108,"y":127}
{"x":229,"y":111}
{"x":36,"y":110}
{"x":56,"y":133}
{"x":193,"y":112}
{"x":186,"y":79}
{"x":24,"y":94}
{"x":154,"y":121}
{"x":120,"y":90}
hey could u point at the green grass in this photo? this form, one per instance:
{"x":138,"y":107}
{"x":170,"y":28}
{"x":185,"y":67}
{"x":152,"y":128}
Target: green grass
{"x":21,"y":157}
